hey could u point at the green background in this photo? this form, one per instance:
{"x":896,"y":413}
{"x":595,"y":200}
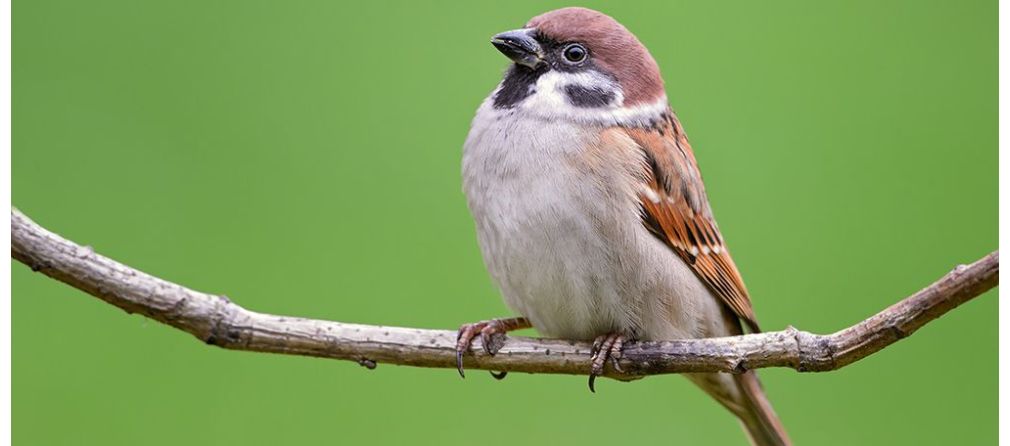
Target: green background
{"x":303,"y":158}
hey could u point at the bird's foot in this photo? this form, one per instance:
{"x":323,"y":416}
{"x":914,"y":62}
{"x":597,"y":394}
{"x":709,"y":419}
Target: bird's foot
{"x":608,"y":346}
{"x":492,"y":337}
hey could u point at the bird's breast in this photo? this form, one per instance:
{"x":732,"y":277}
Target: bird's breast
{"x":539,"y":235}
{"x":560,"y":236}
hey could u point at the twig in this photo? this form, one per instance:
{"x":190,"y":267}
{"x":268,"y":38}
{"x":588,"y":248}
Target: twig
{"x":218,"y":321}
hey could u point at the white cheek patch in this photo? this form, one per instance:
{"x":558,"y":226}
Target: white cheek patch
{"x":551,"y":101}
{"x":550,"y":89}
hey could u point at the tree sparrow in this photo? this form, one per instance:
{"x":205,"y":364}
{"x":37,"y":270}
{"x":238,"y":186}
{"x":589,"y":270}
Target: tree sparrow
{"x":590,"y":209}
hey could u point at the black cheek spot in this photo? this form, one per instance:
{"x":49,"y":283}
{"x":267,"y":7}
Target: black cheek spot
{"x":588,"y":97}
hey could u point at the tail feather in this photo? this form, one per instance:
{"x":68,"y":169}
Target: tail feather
{"x":759,"y":419}
{"x":743,"y":396}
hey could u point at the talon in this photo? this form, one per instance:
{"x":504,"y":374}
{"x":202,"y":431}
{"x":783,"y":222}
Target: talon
{"x":605,"y":348}
{"x":499,"y":375}
{"x":492,"y":335}
{"x":616,"y":353}
{"x":597,"y":344}
{"x":616,"y":363}
{"x":463,"y":339}
{"x":485,"y":340}
{"x":492,"y":342}
{"x":489,"y":338}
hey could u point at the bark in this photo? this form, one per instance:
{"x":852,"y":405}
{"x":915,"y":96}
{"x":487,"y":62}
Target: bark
{"x":218,"y":321}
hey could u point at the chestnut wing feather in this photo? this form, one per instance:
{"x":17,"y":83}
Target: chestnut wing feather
{"x":676,"y":210}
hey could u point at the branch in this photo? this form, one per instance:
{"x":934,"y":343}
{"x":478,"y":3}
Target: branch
{"x":218,"y":321}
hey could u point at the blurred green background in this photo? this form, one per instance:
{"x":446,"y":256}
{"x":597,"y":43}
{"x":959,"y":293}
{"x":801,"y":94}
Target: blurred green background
{"x":303,"y":158}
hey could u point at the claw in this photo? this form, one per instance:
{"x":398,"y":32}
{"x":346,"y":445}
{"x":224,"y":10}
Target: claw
{"x":597,"y":344}
{"x":464,"y":330}
{"x":499,"y":375}
{"x":492,"y":341}
{"x":615,"y":361}
{"x":606,"y":347}
{"x":492,"y":336}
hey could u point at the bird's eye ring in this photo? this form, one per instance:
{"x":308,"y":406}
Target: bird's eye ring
{"x":575,"y":53}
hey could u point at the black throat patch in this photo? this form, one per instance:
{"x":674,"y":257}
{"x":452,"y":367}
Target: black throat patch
{"x":519,"y":83}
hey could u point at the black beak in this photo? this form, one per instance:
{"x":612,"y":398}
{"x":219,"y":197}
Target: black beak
{"x":520,"y":46}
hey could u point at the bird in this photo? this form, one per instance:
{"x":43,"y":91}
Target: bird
{"x":590,"y":210}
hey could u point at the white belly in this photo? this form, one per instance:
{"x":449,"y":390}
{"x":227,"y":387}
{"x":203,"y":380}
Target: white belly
{"x":565,"y":243}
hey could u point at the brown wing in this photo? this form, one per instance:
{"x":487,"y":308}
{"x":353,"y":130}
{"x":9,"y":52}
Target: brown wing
{"x":676,"y":210}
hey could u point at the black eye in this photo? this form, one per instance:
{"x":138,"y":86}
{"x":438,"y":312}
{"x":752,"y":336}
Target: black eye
{"x":575,"y":53}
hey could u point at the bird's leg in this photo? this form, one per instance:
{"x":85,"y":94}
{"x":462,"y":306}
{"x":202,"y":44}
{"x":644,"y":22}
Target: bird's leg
{"x":492,"y":337}
{"x":608,"y":346}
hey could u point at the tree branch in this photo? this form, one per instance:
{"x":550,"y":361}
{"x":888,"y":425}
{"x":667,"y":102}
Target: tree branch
{"x":218,"y":321}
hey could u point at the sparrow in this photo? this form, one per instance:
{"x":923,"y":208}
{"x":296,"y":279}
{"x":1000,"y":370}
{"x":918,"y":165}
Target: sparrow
{"x":590,"y":210}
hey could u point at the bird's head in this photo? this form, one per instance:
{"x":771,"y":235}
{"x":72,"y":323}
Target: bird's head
{"x":577,"y":63}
